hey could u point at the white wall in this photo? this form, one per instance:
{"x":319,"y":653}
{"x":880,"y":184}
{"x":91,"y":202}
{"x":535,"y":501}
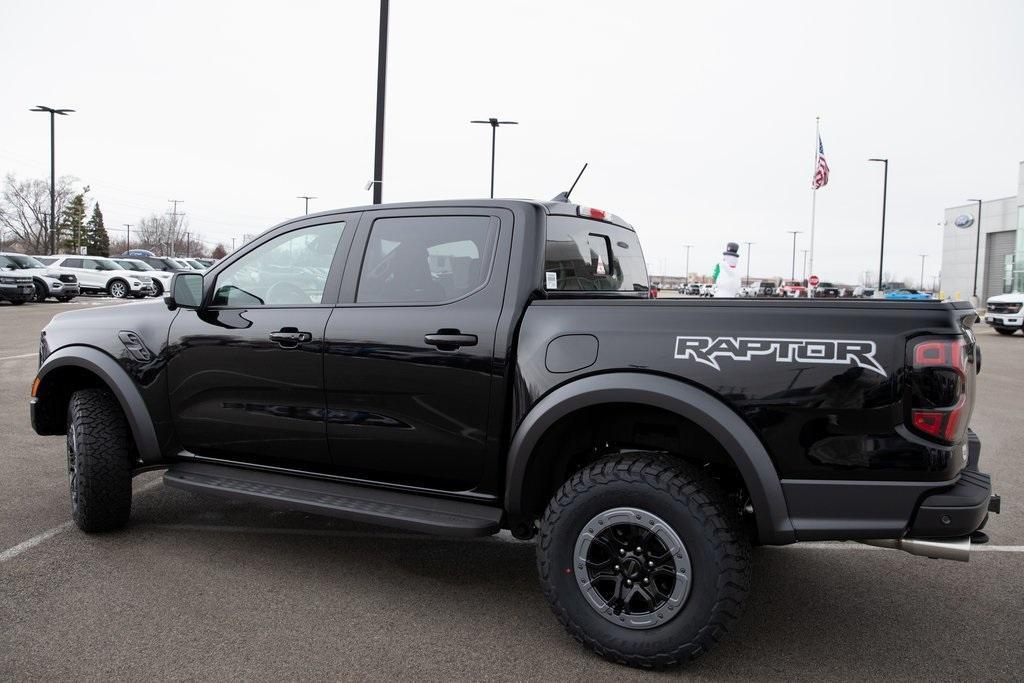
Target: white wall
{"x":958,"y":244}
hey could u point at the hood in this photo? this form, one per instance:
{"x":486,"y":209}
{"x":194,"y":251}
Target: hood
{"x":1011,"y":298}
{"x":29,"y":272}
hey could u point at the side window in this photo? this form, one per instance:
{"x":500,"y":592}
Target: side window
{"x":426,"y":259}
{"x":73,"y":263}
{"x":290,"y":269}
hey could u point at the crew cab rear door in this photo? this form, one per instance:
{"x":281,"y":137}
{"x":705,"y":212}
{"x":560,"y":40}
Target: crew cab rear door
{"x":409,"y":359}
{"x":246,"y":374}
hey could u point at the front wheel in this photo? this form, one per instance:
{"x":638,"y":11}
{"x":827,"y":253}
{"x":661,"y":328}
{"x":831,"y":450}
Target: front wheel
{"x":642,"y":561}
{"x":1006,"y":330}
{"x":99,"y":461}
{"x":41,"y":292}
{"x":118,"y":289}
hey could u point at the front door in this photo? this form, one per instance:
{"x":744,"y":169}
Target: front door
{"x":246,"y":371}
{"x":409,"y":354}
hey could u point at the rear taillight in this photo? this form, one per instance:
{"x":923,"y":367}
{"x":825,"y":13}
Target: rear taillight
{"x":939,"y":400}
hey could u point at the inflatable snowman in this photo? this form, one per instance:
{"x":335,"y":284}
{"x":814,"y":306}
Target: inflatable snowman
{"x":727,"y":277}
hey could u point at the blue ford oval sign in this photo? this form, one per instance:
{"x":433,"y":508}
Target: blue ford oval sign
{"x":964,"y":221}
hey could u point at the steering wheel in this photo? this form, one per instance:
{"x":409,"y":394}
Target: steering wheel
{"x":285,"y":292}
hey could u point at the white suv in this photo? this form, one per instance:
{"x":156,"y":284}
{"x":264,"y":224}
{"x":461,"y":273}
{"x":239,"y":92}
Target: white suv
{"x":1003,"y":312}
{"x":161,"y":278}
{"x":60,"y":286}
{"x":100,"y":274}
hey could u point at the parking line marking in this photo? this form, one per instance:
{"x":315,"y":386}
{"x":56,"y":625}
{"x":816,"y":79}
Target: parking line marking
{"x":14,"y":551}
{"x":24,"y":355}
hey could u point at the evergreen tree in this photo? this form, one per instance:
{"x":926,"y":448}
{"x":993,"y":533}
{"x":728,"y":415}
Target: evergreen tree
{"x":219,"y":252}
{"x":96,"y":236}
{"x":72,"y":223}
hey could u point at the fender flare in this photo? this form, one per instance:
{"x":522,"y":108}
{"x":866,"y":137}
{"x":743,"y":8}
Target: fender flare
{"x":119,"y":383}
{"x":735,"y":435}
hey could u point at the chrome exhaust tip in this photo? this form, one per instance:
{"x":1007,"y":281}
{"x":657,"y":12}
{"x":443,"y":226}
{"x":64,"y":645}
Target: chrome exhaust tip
{"x":956,"y":549}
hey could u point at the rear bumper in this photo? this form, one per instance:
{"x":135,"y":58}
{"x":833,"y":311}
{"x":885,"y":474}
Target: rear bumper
{"x":857,"y":510}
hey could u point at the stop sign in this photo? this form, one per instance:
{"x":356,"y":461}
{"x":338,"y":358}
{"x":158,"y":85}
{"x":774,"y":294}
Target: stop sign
{"x":813,"y":281}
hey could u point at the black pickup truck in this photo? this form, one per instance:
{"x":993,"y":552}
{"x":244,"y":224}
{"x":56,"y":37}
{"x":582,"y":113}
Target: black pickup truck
{"x":465,"y":367}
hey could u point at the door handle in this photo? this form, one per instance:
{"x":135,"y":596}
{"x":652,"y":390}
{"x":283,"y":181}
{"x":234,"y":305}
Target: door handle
{"x":290,"y":337}
{"x":449,"y":340}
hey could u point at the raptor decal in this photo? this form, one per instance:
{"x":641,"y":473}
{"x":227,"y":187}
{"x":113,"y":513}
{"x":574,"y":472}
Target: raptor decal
{"x":708,"y":350}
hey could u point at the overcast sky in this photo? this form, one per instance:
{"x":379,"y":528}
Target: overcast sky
{"x":697,"y":118}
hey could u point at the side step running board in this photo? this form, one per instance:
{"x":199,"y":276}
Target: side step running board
{"x":375,"y":506}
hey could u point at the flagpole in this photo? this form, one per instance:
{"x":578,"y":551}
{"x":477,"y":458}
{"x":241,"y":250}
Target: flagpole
{"x":814,"y":194}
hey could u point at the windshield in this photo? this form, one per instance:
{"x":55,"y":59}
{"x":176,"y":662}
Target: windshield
{"x":135,"y":265}
{"x":19,"y":261}
{"x":108,"y":264}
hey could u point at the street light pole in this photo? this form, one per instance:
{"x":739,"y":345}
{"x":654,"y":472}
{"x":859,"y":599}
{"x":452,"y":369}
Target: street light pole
{"x":686,"y":275}
{"x":977,"y":247}
{"x":805,"y":261}
{"x":885,"y":191}
{"x":748,"y":260}
{"x":128,"y":237}
{"x":307,"y":198}
{"x":382,"y":71}
{"x":921,"y":281}
{"x":53,"y":170}
{"x":792,"y":269}
{"x":494,"y":123}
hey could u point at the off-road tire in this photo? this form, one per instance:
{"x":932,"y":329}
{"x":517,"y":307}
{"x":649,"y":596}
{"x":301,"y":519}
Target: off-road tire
{"x":99,"y":461}
{"x":1006,"y":330}
{"x":693,"y":505}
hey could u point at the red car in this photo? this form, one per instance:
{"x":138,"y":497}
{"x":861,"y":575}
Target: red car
{"x":793,"y":288}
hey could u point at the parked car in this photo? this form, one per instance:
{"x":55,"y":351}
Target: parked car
{"x":100,"y":274}
{"x":427,"y":367}
{"x":161,"y":278}
{"x":16,"y":288}
{"x":693,"y":289}
{"x":863,"y":292}
{"x":164,"y":263}
{"x":1003,"y":312}
{"x":826,"y":290}
{"x":908,"y":295}
{"x":60,"y":286}
{"x":792,"y":288}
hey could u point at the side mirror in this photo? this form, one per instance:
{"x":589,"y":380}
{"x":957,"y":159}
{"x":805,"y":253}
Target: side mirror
{"x":186,"y":291}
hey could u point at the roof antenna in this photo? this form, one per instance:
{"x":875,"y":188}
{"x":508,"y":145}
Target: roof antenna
{"x":564,"y":196}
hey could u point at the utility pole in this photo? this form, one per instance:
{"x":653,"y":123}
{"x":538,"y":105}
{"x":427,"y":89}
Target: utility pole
{"x":977,"y":248}
{"x":792,"y":273}
{"x":494,"y":123}
{"x":232,"y":245}
{"x":128,"y":238}
{"x":687,"y":273}
{"x":885,"y":191}
{"x":307,"y":198}
{"x":188,"y":244}
{"x":382,"y":72}
{"x":748,"y":260}
{"x":174,"y":222}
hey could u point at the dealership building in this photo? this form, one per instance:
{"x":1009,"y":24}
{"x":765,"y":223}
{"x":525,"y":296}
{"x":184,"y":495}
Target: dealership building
{"x":1000,"y":249}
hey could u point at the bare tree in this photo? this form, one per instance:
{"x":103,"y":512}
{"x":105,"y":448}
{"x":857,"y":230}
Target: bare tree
{"x":24,"y":208}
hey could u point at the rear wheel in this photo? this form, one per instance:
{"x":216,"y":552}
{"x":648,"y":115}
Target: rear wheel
{"x":118,"y":289}
{"x":1006,"y":330}
{"x":158,"y":288}
{"x":642,"y":561}
{"x":99,"y":461}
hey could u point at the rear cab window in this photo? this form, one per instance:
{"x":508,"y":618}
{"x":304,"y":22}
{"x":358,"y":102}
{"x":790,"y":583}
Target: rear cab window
{"x":593,"y":257}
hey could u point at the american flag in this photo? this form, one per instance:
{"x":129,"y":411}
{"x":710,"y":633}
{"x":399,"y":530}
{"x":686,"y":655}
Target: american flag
{"x":821,"y":171}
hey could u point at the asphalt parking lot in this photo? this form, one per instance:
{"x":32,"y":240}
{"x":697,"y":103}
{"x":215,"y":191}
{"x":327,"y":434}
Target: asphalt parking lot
{"x":200,"y":587}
